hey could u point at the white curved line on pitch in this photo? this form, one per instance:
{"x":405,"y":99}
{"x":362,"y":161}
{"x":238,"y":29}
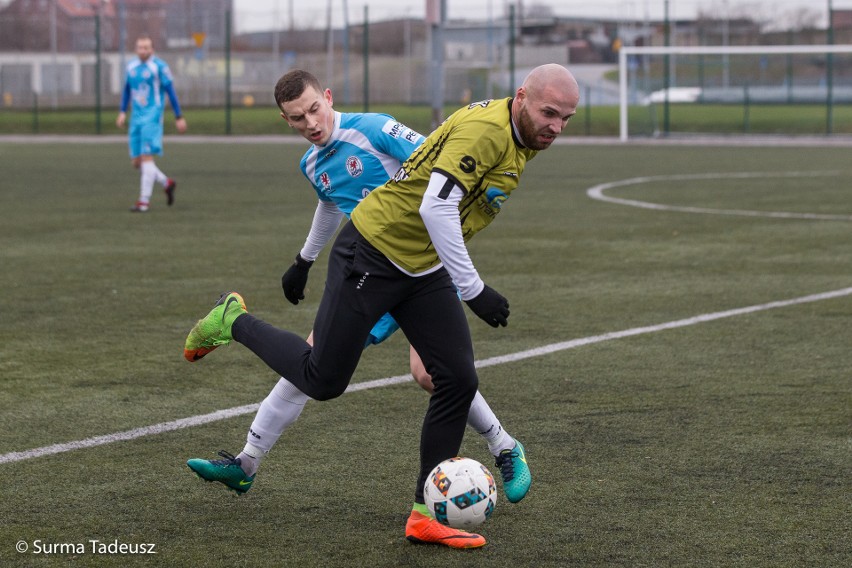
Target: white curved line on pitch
{"x":597,"y":192}
{"x":510,"y":358}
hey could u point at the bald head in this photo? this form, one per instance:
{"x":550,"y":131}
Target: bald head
{"x":552,"y":76}
{"x":544,"y":103}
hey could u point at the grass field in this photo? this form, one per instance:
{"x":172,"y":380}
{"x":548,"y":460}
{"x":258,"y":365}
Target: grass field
{"x":721,"y":440}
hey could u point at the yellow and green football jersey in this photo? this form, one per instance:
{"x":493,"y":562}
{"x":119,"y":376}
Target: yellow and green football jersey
{"x":478,"y":150}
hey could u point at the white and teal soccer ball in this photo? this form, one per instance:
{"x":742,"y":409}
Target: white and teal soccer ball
{"x":460,"y":492}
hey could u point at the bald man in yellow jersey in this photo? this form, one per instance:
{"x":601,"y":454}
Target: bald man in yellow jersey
{"x":404,"y":252}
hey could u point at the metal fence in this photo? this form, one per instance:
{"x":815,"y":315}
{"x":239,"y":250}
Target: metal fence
{"x":203,"y":80}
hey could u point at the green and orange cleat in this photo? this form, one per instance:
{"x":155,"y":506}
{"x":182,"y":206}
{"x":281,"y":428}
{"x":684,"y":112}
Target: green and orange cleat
{"x":214,"y":329}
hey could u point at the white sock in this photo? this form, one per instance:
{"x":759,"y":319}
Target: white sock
{"x":279,"y":409}
{"x":148,"y":177}
{"x":482,"y":419}
{"x":160,"y":177}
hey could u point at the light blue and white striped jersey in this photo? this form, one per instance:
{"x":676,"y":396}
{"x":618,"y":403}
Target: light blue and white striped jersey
{"x":148,"y":82}
{"x":363,"y":152}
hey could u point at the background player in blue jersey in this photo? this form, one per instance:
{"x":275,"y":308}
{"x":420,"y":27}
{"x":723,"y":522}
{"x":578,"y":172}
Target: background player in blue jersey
{"x":352,"y":153}
{"x":148,"y":80}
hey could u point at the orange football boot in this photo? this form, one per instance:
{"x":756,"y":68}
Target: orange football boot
{"x":423,"y":529}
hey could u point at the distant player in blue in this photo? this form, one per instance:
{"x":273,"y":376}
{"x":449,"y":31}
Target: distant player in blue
{"x":352,"y":153}
{"x":148,"y":81}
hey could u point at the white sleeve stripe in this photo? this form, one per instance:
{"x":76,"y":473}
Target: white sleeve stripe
{"x":311,"y":164}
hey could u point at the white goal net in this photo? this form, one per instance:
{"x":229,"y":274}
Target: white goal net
{"x":734,"y":90}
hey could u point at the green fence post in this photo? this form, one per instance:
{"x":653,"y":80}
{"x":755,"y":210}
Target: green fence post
{"x":789,"y":71}
{"x":35,"y":112}
{"x":227,"y":72}
{"x":511,"y":49}
{"x":829,"y":74}
{"x":98,"y":73}
{"x":667,"y":79}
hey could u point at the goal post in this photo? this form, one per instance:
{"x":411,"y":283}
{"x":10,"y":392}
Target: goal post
{"x":761,"y":74}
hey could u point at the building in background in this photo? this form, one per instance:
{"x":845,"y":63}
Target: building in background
{"x":31,"y":25}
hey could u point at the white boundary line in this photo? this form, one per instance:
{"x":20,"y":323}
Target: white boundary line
{"x":510,"y":358}
{"x":597,"y":192}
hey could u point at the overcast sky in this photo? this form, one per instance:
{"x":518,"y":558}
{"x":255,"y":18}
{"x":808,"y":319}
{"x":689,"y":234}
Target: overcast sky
{"x":253,"y":15}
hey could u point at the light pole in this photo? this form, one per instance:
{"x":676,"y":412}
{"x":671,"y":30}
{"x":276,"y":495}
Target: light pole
{"x":437,"y":17}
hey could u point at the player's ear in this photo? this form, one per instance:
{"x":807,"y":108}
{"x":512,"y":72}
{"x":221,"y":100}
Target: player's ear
{"x":329,"y":99}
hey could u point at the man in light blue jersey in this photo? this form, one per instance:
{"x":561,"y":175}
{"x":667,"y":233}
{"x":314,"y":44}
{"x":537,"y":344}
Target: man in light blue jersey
{"x":148,"y":81}
{"x":352,"y":153}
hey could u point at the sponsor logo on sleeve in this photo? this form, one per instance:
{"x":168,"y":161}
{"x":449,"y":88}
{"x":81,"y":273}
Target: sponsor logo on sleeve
{"x":412,"y":135}
{"x":393,"y":129}
{"x":398,"y":130}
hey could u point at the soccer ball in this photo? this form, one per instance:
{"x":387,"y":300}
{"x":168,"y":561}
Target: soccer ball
{"x":460,"y":492}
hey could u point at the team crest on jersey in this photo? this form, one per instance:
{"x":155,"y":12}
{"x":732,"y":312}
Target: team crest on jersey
{"x":325,"y":180}
{"x":354,"y":166}
{"x":495,"y":197}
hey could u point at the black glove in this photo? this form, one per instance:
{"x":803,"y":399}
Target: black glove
{"x":294,"y":280}
{"x":491,"y":307}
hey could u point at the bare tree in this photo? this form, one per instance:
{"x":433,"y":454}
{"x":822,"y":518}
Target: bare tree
{"x":538,"y":10}
{"x":803,"y":18}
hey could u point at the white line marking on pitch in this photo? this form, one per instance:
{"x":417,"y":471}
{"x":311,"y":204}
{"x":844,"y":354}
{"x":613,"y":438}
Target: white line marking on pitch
{"x":510,"y":358}
{"x":597,"y":192}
